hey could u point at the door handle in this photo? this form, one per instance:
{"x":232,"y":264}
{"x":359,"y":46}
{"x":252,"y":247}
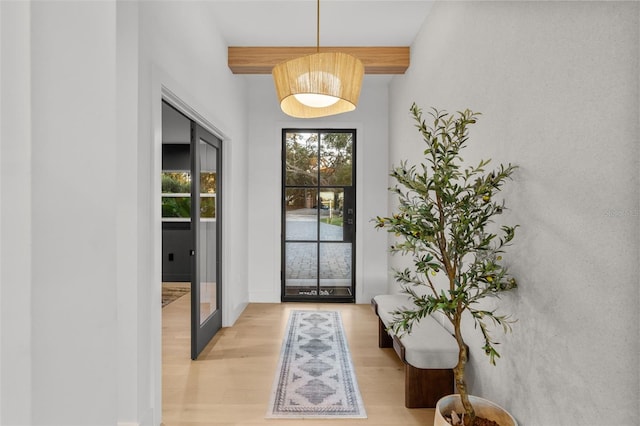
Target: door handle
{"x":192,"y":252}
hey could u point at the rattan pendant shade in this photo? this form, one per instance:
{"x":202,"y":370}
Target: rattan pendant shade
{"x":320,"y":84}
{"x":335,"y":76}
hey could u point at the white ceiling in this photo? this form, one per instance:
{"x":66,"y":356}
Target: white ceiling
{"x":342,"y":22}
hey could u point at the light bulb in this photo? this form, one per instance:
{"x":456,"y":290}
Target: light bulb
{"x":315,"y":100}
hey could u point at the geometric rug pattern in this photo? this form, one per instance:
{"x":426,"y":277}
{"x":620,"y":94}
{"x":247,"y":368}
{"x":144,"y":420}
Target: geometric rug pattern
{"x":315,"y":376}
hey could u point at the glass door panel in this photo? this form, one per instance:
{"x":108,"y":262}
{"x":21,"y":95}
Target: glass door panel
{"x":208,"y":234}
{"x":336,"y":158}
{"x":206,"y":295}
{"x":301,"y":273}
{"x":335,"y":268}
{"x":302,"y":159}
{"x":301,"y":214}
{"x":331,"y":202}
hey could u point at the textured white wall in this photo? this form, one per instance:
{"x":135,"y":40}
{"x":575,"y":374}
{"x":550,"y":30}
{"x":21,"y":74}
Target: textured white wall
{"x":558,"y":86}
{"x":266,"y":122}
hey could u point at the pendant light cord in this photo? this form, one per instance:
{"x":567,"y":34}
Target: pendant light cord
{"x":318,"y":27}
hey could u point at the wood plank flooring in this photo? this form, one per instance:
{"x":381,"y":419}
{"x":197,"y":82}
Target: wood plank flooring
{"x":230,"y":383}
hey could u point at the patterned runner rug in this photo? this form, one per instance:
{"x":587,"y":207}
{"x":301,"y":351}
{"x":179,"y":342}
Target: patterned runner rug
{"x":315,"y":376}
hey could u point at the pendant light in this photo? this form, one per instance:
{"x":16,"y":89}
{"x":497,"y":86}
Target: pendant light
{"x":320,"y":84}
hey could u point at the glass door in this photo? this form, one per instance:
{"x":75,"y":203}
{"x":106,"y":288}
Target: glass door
{"x":206,"y":296}
{"x":318,"y":213}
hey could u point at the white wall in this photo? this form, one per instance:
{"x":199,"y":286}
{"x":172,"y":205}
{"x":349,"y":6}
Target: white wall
{"x":80,"y":285}
{"x":58,"y":203}
{"x":15,"y":214}
{"x":558,"y":86}
{"x":266,"y":122}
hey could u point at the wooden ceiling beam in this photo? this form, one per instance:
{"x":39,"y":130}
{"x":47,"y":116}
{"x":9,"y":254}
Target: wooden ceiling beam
{"x":261,"y":60}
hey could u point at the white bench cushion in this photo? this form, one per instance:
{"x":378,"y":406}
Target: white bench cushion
{"x":430,"y":345}
{"x":387,"y":303}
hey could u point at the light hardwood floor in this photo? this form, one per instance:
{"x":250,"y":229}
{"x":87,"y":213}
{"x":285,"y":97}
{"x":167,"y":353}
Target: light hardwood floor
{"x":230,"y":383}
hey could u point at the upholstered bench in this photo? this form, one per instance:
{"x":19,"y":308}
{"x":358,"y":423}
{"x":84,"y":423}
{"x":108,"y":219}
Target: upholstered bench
{"x":429,"y":353}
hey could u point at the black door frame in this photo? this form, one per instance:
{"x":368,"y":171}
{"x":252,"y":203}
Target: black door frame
{"x":349,"y":223}
{"x":202,"y":333}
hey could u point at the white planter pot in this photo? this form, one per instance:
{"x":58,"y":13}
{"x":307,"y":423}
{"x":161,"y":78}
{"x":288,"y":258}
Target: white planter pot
{"x":483,"y":408}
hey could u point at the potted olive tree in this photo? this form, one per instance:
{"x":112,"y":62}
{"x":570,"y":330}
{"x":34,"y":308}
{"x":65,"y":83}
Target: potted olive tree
{"x":445,"y":222}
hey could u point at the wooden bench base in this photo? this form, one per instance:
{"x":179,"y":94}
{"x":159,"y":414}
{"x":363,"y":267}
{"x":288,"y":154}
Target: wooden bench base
{"x":422,"y":387}
{"x":384,"y":340}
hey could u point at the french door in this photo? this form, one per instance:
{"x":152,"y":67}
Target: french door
{"x":206,"y":289}
{"x":191,"y":220}
{"x":318,"y":215}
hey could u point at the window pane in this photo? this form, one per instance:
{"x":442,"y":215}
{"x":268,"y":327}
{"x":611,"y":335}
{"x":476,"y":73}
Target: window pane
{"x":176,"y":207}
{"x":332,"y":201}
{"x":301,"y":214}
{"x":208,"y":207}
{"x":301,"y":159}
{"x":208,"y":183}
{"x":336,"y":159}
{"x":301,"y":268}
{"x":176,"y":182}
{"x":335,"y":263}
